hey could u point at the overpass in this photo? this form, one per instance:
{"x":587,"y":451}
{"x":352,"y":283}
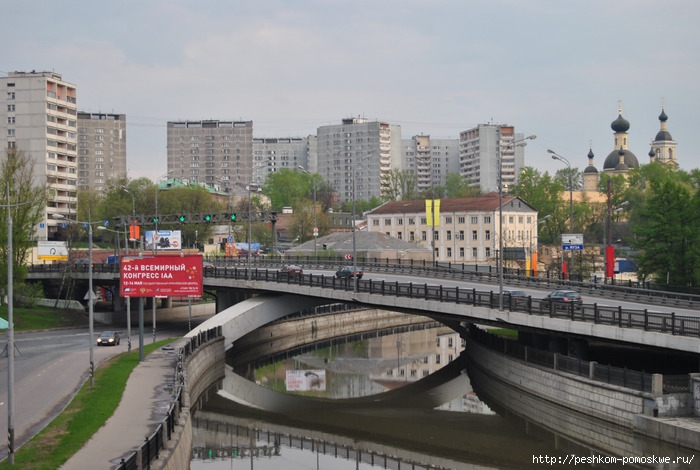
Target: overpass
{"x":454,"y":305}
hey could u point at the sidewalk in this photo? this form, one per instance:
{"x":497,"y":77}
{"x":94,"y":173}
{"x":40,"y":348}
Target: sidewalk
{"x":144,"y":405}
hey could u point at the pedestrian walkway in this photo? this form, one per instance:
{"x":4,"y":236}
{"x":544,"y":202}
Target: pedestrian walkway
{"x":143,"y":407}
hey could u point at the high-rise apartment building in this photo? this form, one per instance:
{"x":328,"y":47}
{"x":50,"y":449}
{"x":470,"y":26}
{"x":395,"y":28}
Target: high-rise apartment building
{"x":356,"y":156}
{"x":483,"y":148}
{"x":430,"y":159}
{"x":39,"y":117}
{"x":101,"y":149}
{"x":218,"y":153}
{"x":273,"y":154}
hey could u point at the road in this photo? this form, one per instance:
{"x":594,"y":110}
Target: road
{"x":50,"y":367}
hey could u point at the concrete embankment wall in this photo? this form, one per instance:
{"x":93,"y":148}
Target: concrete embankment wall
{"x":619,"y":406}
{"x":203,"y":368}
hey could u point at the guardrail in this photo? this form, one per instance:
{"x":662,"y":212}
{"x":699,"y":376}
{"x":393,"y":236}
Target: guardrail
{"x":439,"y":270}
{"x":669,"y":323}
{"x":155,"y":443}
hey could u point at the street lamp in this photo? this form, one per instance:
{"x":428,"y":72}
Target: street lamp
{"x":251,"y":187}
{"x":155,"y":248}
{"x":315,"y":232}
{"x":515,"y":143}
{"x":91,"y":293}
{"x":556,"y":156}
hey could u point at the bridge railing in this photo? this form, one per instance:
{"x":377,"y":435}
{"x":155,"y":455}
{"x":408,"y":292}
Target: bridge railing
{"x":438,"y":270}
{"x":644,"y":319}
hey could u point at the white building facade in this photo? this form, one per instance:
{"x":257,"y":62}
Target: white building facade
{"x":465,"y":230}
{"x":273,"y":154}
{"x":39,"y":117}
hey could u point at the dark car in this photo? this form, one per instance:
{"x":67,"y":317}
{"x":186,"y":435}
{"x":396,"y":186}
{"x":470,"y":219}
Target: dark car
{"x":562,"y":298}
{"x":292,"y":270}
{"x":207,"y":264}
{"x":347,"y":271}
{"x":108,"y":338}
{"x":517,"y":297}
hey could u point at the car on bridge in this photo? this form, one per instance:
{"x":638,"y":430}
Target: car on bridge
{"x":348,"y":272}
{"x":291,"y":270}
{"x":562,"y":299}
{"x":518,"y":297}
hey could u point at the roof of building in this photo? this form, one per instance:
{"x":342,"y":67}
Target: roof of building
{"x":485,"y":203}
{"x":341,"y":242}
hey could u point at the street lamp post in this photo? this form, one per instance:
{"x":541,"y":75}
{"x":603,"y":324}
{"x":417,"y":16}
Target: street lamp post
{"x":315,"y":231}
{"x":91,"y":292}
{"x":515,"y":143}
{"x":155,"y":248}
{"x":556,"y":156}
{"x":250,"y":224}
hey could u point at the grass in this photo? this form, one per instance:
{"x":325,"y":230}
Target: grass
{"x":38,"y":318}
{"x":89,"y":409}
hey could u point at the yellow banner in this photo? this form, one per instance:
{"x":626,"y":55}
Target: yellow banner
{"x":432,"y":212}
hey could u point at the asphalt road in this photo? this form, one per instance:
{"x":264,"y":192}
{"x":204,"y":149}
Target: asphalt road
{"x":50,"y":367}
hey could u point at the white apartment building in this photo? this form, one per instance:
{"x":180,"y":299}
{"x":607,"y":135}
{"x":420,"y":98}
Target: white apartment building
{"x":39,"y":116}
{"x":430,"y":159}
{"x":101,"y":149}
{"x":218,"y":153}
{"x":273,"y":154}
{"x":483,"y":147}
{"x":355,"y":156}
{"x":465,"y":230}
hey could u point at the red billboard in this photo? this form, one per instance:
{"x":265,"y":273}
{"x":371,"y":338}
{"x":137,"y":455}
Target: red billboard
{"x":161,"y":276}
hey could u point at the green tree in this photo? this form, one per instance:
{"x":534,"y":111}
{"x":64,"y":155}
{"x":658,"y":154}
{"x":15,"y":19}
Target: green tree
{"x":457,"y":186}
{"x":286,"y":187}
{"x":400,"y":185}
{"x":26,"y":203}
{"x":667,"y":233}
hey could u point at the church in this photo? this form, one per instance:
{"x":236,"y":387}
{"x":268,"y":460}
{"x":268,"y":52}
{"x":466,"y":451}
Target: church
{"x":620,"y":160}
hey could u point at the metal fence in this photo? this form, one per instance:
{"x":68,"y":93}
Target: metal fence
{"x":620,"y":376}
{"x":153,"y":444}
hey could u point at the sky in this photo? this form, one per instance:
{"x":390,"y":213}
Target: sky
{"x":557,"y":69}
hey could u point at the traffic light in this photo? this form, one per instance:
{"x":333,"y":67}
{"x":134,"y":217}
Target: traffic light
{"x":207,"y":218}
{"x":155,"y":220}
{"x":182,"y":219}
{"x":233,"y":217}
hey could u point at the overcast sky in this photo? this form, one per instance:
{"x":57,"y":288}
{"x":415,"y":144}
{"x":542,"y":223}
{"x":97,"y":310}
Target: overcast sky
{"x":553,"y":68}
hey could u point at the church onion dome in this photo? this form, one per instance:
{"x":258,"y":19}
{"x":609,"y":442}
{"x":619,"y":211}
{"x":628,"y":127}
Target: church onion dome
{"x":613,"y":159}
{"x":651,"y":153}
{"x":662,"y":135}
{"x":590,"y":168}
{"x":620,"y":124}
{"x":622,"y":165}
{"x":662,"y":116}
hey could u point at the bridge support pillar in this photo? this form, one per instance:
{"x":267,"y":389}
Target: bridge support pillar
{"x":228,"y":297}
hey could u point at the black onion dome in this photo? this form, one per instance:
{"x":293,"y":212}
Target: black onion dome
{"x":662,"y":135}
{"x":620,"y":124}
{"x":622,"y":165}
{"x":651,"y":153}
{"x":590,"y":168}
{"x":613,"y":159}
{"x":662,"y":116}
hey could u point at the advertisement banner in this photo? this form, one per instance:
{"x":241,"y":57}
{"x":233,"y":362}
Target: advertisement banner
{"x":161,"y":276}
{"x":305,"y":380}
{"x":163,"y":240}
{"x":52,"y":251}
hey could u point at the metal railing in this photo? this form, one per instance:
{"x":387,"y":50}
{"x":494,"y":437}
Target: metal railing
{"x":156,"y":441}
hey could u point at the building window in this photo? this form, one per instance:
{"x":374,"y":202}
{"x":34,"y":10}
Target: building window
{"x":461,"y":220}
{"x":449,"y":252}
{"x":375,"y":223}
{"x":411,"y":221}
{"x":399,"y":235}
{"x":411,"y":236}
{"x":399,"y":222}
{"x":461,"y":252}
{"x":488,"y":252}
{"x":475,"y":219}
{"x":424,"y":235}
{"x":436,"y":235}
{"x":387,"y":221}
{"x":474,"y":235}
{"x":448,"y":220}
{"x":423,"y":220}
{"x":487,"y":235}
{"x":449,"y":235}
{"x":461,"y":235}
{"x":487,"y":219}
{"x":474,"y":252}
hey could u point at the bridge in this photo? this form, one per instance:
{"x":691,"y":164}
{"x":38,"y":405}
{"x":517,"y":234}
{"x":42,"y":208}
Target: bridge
{"x":673,"y":323}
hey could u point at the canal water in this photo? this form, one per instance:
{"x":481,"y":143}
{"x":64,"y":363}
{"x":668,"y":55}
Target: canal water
{"x":399,"y":398}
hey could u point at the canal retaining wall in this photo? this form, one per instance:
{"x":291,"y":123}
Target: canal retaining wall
{"x":630,"y":409}
{"x":201,"y":369}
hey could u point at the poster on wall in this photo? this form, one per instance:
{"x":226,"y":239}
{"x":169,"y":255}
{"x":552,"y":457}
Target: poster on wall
{"x":305,"y":380}
{"x":163,"y":240}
